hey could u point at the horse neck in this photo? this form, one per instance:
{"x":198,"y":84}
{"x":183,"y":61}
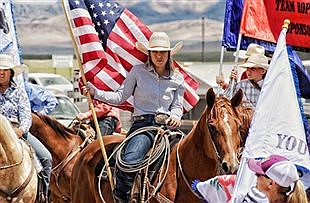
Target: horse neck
{"x":58,"y":145}
{"x":198,"y":147}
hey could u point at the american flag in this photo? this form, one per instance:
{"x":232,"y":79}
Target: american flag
{"x":106,"y":34}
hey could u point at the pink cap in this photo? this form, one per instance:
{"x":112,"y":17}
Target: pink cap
{"x":277,"y":168}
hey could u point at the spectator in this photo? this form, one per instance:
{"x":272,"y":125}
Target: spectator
{"x":41,"y":100}
{"x":107,"y":116}
{"x":256,"y":68}
{"x":244,"y":55}
{"x":277,"y":182}
{"x":15,"y":106}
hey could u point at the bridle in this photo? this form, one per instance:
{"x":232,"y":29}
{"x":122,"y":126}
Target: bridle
{"x":213,"y":115}
{"x":183,"y":173}
{"x":57,"y":170}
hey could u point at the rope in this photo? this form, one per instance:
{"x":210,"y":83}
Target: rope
{"x":163,"y":148}
{"x":134,"y":167}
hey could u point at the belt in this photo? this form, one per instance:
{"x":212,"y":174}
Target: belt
{"x":144,"y":117}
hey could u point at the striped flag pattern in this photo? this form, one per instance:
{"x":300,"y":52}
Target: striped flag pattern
{"x":106,"y":34}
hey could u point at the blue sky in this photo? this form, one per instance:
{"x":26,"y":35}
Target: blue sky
{"x":35,"y":1}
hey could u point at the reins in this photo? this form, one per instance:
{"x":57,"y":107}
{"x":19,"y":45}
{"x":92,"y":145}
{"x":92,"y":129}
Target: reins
{"x":56,"y":171}
{"x":182,"y":171}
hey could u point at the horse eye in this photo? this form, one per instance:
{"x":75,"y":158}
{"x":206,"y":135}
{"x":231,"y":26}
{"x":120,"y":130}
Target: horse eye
{"x":212,"y":129}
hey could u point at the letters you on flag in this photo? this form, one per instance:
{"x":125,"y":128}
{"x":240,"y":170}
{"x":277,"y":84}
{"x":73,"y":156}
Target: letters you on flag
{"x":106,"y":34}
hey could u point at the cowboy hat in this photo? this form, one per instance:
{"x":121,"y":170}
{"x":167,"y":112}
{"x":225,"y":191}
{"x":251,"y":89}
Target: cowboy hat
{"x":256,"y":61}
{"x":6,"y":62}
{"x":159,"y":41}
{"x":252,"y":49}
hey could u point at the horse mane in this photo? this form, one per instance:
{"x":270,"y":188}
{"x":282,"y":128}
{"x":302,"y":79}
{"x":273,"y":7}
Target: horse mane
{"x":55,"y":125}
{"x":245,"y":114}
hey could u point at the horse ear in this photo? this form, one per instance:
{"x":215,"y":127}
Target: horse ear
{"x":237,"y":98}
{"x":210,"y":98}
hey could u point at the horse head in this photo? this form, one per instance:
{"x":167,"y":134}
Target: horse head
{"x":225,"y":128}
{"x":64,"y":145}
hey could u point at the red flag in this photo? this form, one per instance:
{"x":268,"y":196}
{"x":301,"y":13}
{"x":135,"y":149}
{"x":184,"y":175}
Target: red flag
{"x":263,"y":19}
{"x":107,"y":63}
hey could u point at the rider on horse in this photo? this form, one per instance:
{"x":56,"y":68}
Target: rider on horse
{"x":15,"y":107}
{"x":157,"y":87}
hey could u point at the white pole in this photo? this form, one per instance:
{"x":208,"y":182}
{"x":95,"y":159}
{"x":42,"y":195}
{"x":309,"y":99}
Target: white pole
{"x":221,"y":68}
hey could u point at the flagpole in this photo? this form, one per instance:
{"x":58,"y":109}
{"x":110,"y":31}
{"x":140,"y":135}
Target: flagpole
{"x":232,"y":81}
{"x":89,"y":100}
{"x":221,"y":67}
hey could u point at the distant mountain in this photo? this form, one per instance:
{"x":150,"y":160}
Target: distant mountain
{"x":151,"y":11}
{"x":42,"y":29}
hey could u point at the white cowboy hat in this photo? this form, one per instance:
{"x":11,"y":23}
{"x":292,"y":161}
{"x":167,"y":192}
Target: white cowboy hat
{"x":256,"y":61}
{"x":159,"y":41}
{"x":252,"y":49}
{"x":6,"y":62}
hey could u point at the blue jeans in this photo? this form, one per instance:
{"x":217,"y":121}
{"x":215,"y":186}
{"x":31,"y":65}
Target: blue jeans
{"x":44,"y":157}
{"x":107,"y":125}
{"x":135,"y":150}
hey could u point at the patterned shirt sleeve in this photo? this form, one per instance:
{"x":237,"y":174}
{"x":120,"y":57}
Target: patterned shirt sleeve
{"x":25,"y":117}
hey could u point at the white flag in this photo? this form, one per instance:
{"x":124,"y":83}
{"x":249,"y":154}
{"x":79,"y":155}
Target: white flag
{"x":277,"y":126}
{"x":8,"y":36}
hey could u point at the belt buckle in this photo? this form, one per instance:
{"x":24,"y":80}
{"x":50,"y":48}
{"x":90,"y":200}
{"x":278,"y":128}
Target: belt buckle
{"x":140,"y":118}
{"x":160,"y":118}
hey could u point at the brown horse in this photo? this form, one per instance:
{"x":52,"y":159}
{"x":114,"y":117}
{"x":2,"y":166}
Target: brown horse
{"x":210,"y":148}
{"x":84,"y":181}
{"x":17,"y":172}
{"x":64,"y":145}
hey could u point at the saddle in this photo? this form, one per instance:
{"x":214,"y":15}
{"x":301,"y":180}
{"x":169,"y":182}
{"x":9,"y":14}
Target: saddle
{"x":151,"y":171}
{"x":84,"y":130}
{"x":140,"y":190}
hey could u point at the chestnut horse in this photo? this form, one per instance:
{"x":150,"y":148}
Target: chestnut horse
{"x":210,"y":148}
{"x":84,"y":180}
{"x":64,"y":145}
{"x":18,"y":175}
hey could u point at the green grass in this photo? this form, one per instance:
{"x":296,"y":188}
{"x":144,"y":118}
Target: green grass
{"x":46,"y":66}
